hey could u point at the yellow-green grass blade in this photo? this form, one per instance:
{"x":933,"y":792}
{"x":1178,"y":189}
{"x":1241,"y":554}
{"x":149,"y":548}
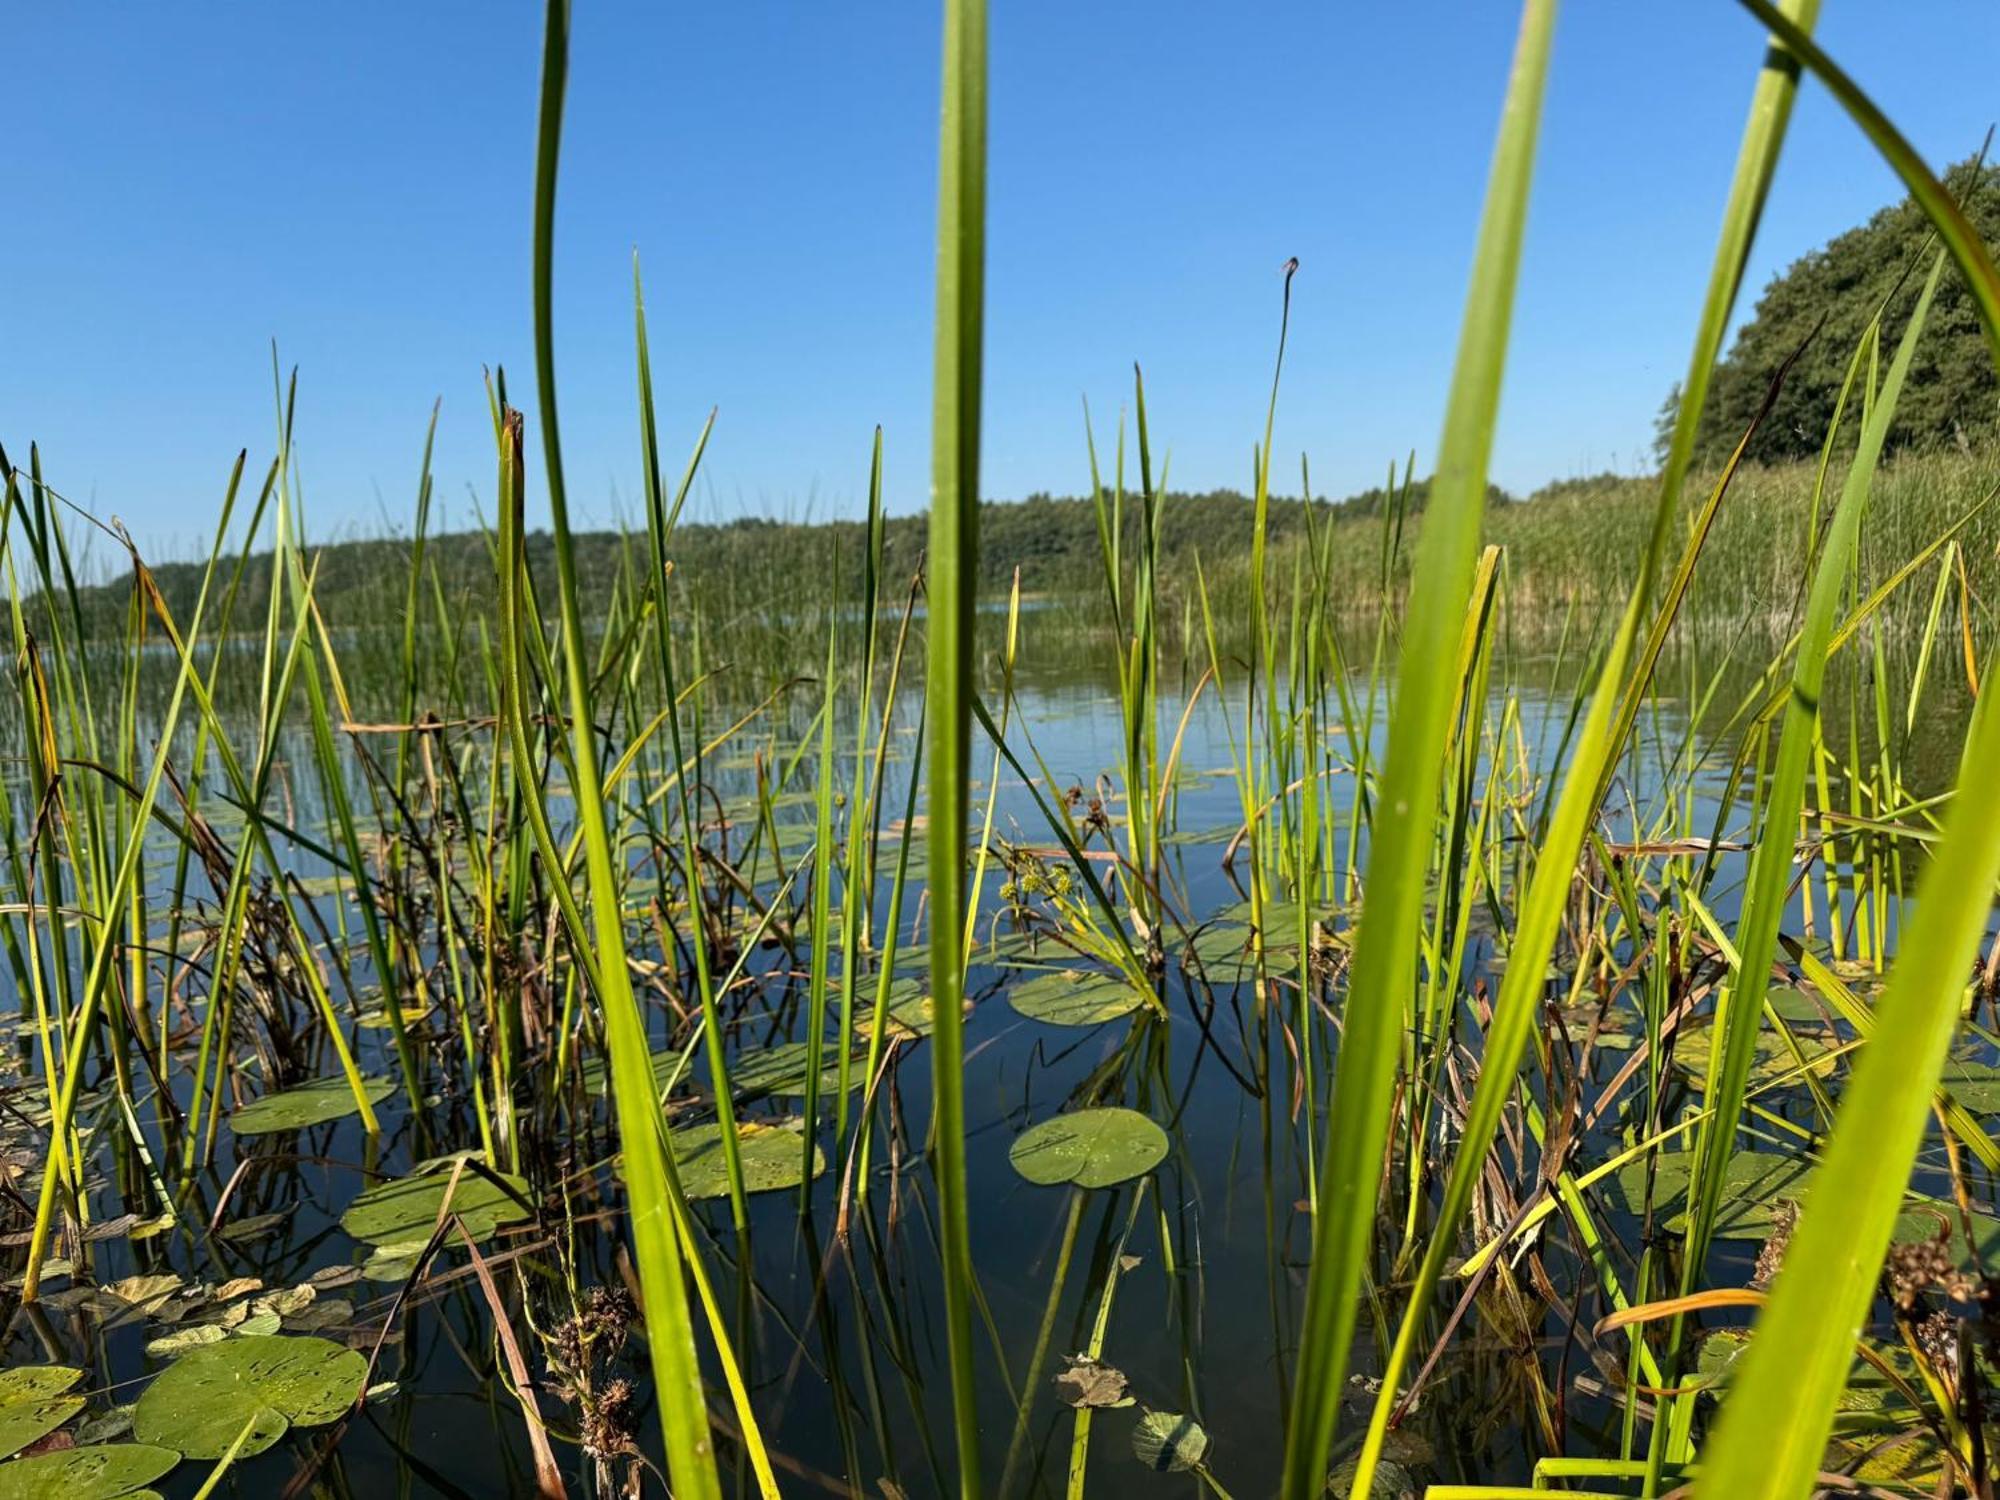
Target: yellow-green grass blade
{"x":1779,"y":1412}
{"x":669,"y":1328}
{"x":1384,"y":972}
{"x":1775,"y":1424}
{"x":952,"y":583}
{"x":1768,"y":883}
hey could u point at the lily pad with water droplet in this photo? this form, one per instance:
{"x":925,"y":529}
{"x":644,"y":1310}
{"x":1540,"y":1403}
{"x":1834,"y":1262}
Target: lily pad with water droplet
{"x":309,"y":1104}
{"x":33,"y":1403}
{"x":112,"y":1471}
{"x":1074,"y":997}
{"x":1093,"y":1148}
{"x":773,"y":1156}
{"x":1168,"y":1443}
{"x":406,"y":1208}
{"x":202,"y":1401}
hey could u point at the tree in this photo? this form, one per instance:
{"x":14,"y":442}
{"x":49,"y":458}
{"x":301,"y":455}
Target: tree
{"x":1951,"y":398}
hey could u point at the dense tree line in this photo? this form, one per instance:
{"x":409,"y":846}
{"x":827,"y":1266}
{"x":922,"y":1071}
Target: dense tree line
{"x":747,"y":564}
{"x":1822,"y":304}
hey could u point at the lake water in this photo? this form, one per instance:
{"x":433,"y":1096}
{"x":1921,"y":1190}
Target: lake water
{"x":835,"y":1308}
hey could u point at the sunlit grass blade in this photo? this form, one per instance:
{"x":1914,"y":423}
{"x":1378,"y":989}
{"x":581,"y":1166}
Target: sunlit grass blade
{"x":1768,"y":882}
{"x":1384,"y":972}
{"x":952,"y":583}
{"x":1774,"y":1427}
{"x":669,"y":1328}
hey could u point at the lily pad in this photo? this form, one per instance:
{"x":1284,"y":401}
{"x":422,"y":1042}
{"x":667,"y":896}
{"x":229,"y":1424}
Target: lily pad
{"x":379,"y":1019}
{"x":107,"y":1472}
{"x":1093,"y":1148}
{"x":1773,"y":1058}
{"x":781,"y":1071}
{"x":909,"y":1011}
{"x":393,"y":1262}
{"x":1074,"y":997}
{"x":1392,"y":1480}
{"x":1753,"y":1185}
{"x":201,"y":1402}
{"x":1168,"y":1443}
{"x":773,"y":1156}
{"x":1224,"y":950}
{"x":33,"y":1403}
{"x":309,"y":1104}
{"x":406,"y":1208}
{"x":1975,"y":1085}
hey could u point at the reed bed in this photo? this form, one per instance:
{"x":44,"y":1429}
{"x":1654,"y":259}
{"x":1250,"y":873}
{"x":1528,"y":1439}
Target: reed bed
{"x":1475,"y":1000}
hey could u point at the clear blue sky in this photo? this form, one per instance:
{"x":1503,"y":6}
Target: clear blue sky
{"x":188,"y":182}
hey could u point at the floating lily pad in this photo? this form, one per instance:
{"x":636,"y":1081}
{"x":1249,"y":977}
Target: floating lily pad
{"x":393,"y":1262}
{"x":1074,"y":997}
{"x":255,"y":1227}
{"x":1878,"y":1435}
{"x":773,"y":1156}
{"x":33,"y":1403}
{"x":909,"y":1011}
{"x":181,"y":1340}
{"x":1225,"y":950}
{"x":309,"y":1104}
{"x":1168,"y":1443}
{"x":781,"y":1071}
{"x":379,"y":1019}
{"x":1093,"y":1148}
{"x":1773,"y":1059}
{"x":1392,"y":1481}
{"x":1975,"y":1085}
{"x":201,"y":1402}
{"x":1186,"y":836}
{"x":1753,"y":1185}
{"x":107,"y":1472}
{"x":406,"y":1208}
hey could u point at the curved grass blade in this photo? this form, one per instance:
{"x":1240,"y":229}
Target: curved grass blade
{"x":1775,"y":1424}
{"x":1768,"y":883}
{"x":1384,"y":973}
{"x":669,"y":1329}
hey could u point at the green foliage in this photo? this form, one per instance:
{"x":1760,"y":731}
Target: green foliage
{"x":1093,"y":1148}
{"x":1829,"y":296}
{"x":103,"y":1472}
{"x":200,"y":1403}
{"x":771,"y":1157}
{"x":407,"y":1208}
{"x":309,"y":1104}
{"x":33,"y":1403}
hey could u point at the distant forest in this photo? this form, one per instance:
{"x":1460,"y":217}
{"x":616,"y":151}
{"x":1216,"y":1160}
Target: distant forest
{"x":1822,"y":303}
{"x":1052,"y":540}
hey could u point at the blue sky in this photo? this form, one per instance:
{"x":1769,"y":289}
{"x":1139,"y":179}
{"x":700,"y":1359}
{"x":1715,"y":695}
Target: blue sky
{"x":187,"y":183}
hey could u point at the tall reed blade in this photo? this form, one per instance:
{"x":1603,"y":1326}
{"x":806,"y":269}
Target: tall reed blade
{"x":951,"y":584}
{"x":1384,"y":973}
{"x":1775,"y":1425}
{"x":669,"y":1328}
{"x":1768,"y":884}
